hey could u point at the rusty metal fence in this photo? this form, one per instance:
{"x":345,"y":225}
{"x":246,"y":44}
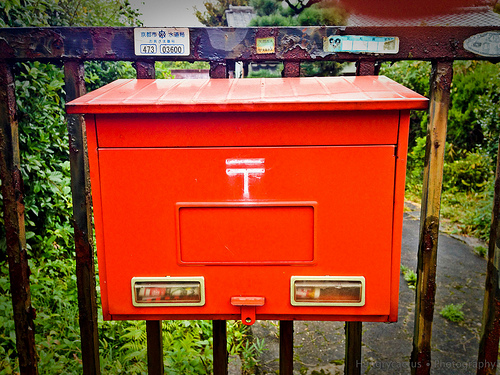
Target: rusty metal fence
{"x":222,"y":47}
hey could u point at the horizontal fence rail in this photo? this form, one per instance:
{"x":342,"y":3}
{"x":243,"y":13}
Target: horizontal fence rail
{"x":222,"y":47}
{"x":236,"y":44}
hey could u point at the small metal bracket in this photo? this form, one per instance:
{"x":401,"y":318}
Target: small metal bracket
{"x":248,"y":306}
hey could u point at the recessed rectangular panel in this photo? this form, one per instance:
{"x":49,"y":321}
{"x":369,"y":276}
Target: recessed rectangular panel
{"x":256,"y":234}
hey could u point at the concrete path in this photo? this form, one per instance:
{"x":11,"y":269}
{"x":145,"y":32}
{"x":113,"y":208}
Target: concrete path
{"x":319,"y":346}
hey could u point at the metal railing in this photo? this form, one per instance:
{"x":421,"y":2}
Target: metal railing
{"x":222,"y":47}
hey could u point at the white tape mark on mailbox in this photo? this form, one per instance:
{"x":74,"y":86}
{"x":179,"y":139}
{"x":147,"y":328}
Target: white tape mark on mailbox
{"x":246,"y":168}
{"x":154,"y":41}
{"x":361,"y":44}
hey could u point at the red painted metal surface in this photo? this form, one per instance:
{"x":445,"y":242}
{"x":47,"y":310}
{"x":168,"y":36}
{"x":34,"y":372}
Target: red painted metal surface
{"x":248,"y":95}
{"x":255,"y":182}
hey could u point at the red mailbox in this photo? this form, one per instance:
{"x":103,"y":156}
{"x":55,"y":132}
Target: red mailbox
{"x":251,"y":198}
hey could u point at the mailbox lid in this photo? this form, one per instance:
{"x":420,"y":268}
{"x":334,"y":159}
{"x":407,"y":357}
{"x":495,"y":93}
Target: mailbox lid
{"x":248,"y":95}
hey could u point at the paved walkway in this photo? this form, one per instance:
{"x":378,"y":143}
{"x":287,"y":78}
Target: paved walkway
{"x":319,"y":346}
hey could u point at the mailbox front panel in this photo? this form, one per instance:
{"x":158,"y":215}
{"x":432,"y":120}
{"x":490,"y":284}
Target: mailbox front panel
{"x":248,"y":228}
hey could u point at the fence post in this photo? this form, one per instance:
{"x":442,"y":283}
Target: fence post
{"x":219,"y":70}
{"x":220,"y":347}
{"x":74,"y":72}
{"x":286,"y":347}
{"x":488,"y":344}
{"x":353,"y":341}
{"x":154,"y":347}
{"x":146,"y":70}
{"x":442,"y":74}
{"x":290,"y":69}
{"x":354,"y":330}
{"x":13,"y":205}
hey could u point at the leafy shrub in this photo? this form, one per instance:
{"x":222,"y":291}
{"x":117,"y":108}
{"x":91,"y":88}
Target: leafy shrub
{"x":44,"y":159}
{"x":453,"y":313}
{"x":100,"y":73}
{"x":416,"y":76}
{"x":470,"y":173}
{"x":410,"y":276}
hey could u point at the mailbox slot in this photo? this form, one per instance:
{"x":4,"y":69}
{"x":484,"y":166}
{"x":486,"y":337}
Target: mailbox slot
{"x":168,"y":291}
{"x":327,"y":291}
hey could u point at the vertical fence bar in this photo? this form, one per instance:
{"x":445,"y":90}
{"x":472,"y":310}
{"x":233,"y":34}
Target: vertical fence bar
{"x":354,"y":330}
{"x":367,"y":68}
{"x":353,"y":339}
{"x":286,"y":347}
{"x":290,"y":69}
{"x":219,"y":70}
{"x":146,"y":70}
{"x":13,"y":205}
{"x":488,"y":344}
{"x":74,"y":72}
{"x":220,"y":347}
{"x":155,"y":347}
{"x":442,"y":74}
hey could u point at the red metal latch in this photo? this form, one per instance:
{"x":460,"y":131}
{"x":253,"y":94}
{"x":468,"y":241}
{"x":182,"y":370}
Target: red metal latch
{"x":248,"y":306}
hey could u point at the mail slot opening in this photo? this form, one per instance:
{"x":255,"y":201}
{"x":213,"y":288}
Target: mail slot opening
{"x":168,"y":291}
{"x":328,"y":291}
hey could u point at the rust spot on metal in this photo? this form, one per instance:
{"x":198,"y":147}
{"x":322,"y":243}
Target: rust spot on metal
{"x":291,"y":69}
{"x":217,"y":69}
{"x":430,"y":233}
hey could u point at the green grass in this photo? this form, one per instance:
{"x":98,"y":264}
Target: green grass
{"x":453,"y":313}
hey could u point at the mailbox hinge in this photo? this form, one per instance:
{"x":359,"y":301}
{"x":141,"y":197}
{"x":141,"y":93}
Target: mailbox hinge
{"x":248,"y":306}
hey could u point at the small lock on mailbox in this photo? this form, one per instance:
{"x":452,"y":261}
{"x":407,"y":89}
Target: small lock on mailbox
{"x":249,"y":199}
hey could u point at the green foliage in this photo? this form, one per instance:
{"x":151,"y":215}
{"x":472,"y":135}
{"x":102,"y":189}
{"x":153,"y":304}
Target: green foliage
{"x":266,"y":73}
{"x":215,"y":11}
{"x":163,"y":68}
{"x":24,"y":13}
{"x":44,"y":158}
{"x":410,"y":276}
{"x":100,"y":73}
{"x":416,"y":76}
{"x":467,"y":173}
{"x":240,"y":342}
{"x":416,"y":160}
{"x":453,"y":313}
{"x":273,"y":13}
{"x":481,"y":251}
{"x":322,"y":16}
{"x":471,"y":211}
{"x":266,"y":7}
{"x":474,"y":114}
{"x":472,"y":140}
{"x":53,"y":291}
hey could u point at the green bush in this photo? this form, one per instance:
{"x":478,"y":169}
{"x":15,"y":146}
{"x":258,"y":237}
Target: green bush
{"x":470,"y":173}
{"x":453,"y":313}
{"x":410,"y":276}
